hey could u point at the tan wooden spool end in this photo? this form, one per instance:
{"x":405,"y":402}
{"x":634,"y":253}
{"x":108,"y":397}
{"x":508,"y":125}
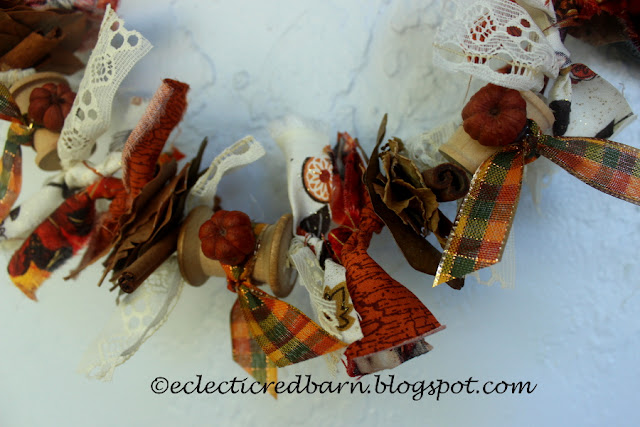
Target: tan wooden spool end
{"x":468,"y":153}
{"x":45,"y":142}
{"x":271,"y":258}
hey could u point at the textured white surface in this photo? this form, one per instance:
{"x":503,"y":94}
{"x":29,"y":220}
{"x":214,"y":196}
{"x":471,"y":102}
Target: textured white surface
{"x":571,"y":325}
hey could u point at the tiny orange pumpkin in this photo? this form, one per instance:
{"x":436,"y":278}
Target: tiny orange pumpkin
{"x":50,"y":104}
{"x":495,"y":115}
{"x":228,"y":237}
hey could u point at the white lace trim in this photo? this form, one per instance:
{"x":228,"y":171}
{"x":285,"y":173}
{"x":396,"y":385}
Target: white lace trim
{"x":487,"y":35}
{"x":138,"y":316}
{"x":423,"y":149}
{"x":241,"y":153}
{"x":315,"y":279}
{"x":116,"y":52}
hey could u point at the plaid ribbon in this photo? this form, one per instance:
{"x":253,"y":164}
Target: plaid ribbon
{"x":248,"y":353}
{"x":285,"y":334}
{"x":608,"y":166}
{"x":267,"y":333}
{"x":483,"y":222}
{"x":9,"y":110}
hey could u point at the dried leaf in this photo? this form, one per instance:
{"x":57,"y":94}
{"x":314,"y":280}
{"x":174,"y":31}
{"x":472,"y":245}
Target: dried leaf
{"x":420,"y":254}
{"x":147,"y":218}
{"x":148,"y":234}
{"x":403,"y":190}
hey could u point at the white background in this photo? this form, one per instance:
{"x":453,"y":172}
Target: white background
{"x":571,"y":325}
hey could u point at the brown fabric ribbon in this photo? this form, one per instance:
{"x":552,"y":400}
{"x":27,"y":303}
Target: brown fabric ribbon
{"x":420,"y":254}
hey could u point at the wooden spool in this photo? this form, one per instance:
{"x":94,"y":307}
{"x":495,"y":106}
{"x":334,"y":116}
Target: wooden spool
{"x":45,"y":142}
{"x":469,"y":154}
{"x":271,"y":265}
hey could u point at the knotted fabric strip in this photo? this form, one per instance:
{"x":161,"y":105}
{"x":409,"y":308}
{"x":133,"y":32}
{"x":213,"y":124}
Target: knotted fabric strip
{"x":18,"y":133}
{"x":393,"y":320}
{"x":58,"y":237}
{"x":9,"y":110}
{"x":282,"y":334}
{"x":248,"y":353}
{"x":139,"y":158}
{"x":483,"y":222}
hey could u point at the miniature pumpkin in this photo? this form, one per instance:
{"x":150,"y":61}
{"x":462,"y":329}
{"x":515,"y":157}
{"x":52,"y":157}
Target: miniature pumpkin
{"x":50,"y":104}
{"x":495,"y":115}
{"x":228,"y":237}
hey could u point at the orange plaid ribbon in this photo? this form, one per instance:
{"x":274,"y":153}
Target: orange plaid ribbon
{"x":267,"y":333}
{"x":483,"y":222}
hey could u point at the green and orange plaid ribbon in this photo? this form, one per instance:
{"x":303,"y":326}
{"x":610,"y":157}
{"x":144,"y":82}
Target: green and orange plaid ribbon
{"x":268,"y":333}
{"x":248,"y":353}
{"x":485,"y":217}
{"x":20,"y":133}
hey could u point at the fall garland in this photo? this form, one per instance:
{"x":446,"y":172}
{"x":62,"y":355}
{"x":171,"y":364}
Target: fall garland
{"x":165,"y":218}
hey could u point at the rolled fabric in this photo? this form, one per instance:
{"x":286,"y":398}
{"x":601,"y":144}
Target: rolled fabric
{"x":447,"y":181}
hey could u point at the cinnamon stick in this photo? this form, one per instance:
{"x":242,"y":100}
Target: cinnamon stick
{"x":31,"y":50}
{"x":132,"y":276}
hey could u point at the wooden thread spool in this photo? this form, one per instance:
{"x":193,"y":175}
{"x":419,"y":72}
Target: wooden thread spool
{"x":45,"y":142}
{"x":469,"y":154}
{"x":271,"y":264}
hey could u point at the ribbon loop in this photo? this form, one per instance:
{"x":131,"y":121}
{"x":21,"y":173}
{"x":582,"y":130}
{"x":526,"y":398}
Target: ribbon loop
{"x":284,"y":333}
{"x":248,"y":354}
{"x":608,"y":166}
{"x":483,"y":222}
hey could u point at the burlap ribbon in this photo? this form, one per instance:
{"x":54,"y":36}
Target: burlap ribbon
{"x":483,"y":222}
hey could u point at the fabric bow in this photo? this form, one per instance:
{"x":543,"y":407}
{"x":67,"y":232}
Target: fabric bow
{"x":485,"y":217}
{"x":268,"y":333}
